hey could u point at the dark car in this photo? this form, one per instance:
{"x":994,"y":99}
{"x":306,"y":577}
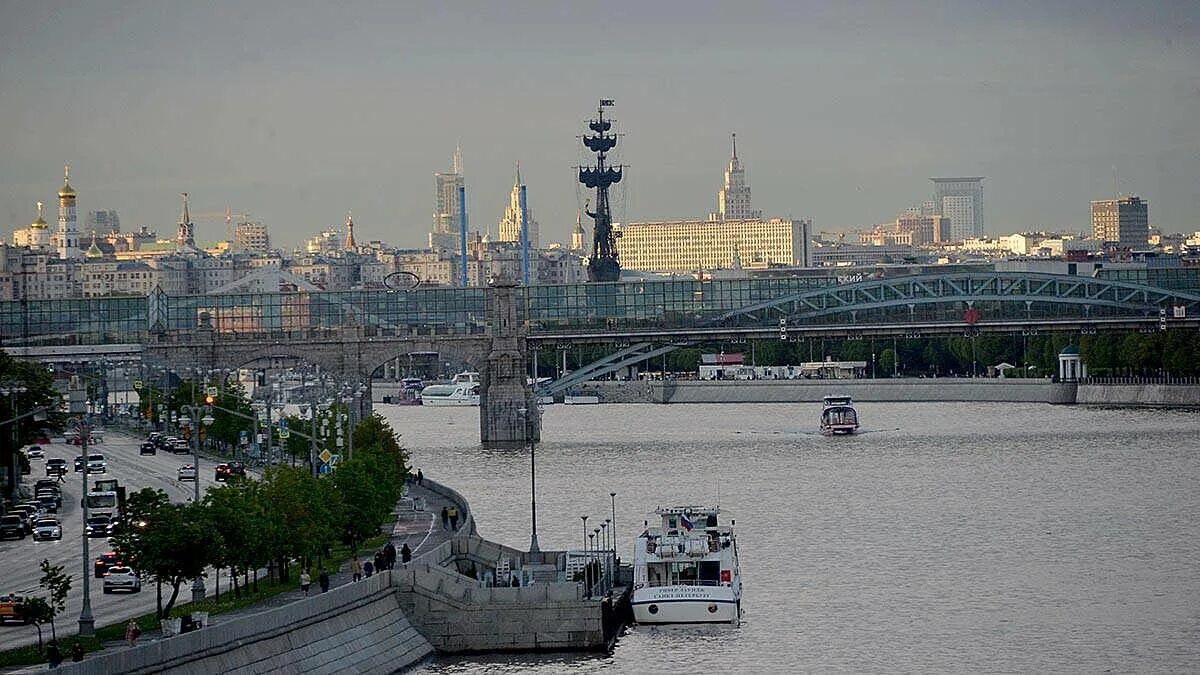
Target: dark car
{"x":80,"y":461}
{"x":56,"y":467}
{"x":148,"y":449}
{"x":50,"y":501}
{"x":105,"y":561}
{"x":226,"y":471}
{"x":12,"y":526}
{"x":98,"y":526}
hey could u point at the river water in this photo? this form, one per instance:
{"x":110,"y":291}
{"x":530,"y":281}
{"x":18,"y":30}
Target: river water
{"x":951,"y":537}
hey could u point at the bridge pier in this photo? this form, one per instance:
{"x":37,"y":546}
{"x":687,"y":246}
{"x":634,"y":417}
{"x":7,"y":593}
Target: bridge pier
{"x":508,"y":415}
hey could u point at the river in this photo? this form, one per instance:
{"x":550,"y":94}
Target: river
{"x":950,"y":537}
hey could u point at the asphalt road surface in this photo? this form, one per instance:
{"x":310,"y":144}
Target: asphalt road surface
{"x":20,"y":560}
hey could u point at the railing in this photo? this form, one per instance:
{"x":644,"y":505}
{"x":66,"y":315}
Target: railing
{"x":1161,"y":379}
{"x":683,"y":582}
{"x":600,"y":573}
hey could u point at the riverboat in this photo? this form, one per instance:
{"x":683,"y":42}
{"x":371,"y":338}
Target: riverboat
{"x":463,"y":390}
{"x":686,"y":569}
{"x":410,"y":391}
{"x":838,"y":416}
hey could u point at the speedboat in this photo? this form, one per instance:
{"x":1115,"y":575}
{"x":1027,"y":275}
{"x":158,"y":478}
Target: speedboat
{"x":686,"y":569}
{"x":838,"y":416}
{"x":463,"y":390}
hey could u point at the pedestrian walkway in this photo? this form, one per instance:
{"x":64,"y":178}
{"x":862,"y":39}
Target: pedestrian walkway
{"x":418,"y":523}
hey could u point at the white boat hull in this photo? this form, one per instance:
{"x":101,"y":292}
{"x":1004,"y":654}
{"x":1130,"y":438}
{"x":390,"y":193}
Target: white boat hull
{"x":686,"y":604}
{"x":449,"y":401}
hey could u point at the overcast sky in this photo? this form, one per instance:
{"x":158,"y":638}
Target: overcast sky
{"x":299,"y":111}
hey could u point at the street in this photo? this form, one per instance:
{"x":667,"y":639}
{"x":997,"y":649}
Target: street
{"x":20,"y":560}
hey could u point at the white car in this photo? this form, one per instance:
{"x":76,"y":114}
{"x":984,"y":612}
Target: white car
{"x":96,"y":464}
{"x":45,"y":529}
{"x":121,"y":578}
{"x":187,"y":472}
{"x":35,"y":452}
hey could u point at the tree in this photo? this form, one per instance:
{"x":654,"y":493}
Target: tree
{"x":37,"y":612}
{"x":57,"y":584}
{"x":34,"y":385}
{"x":306,"y":510}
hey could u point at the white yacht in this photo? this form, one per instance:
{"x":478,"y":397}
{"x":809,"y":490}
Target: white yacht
{"x":463,"y":390}
{"x":838,"y":416}
{"x":686,"y":570}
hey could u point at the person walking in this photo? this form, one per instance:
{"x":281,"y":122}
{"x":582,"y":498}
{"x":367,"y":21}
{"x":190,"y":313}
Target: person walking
{"x":54,"y":657}
{"x":356,"y":568}
{"x":305,"y":581}
{"x":132,"y":632}
{"x":420,"y":477}
{"x":453,"y":518}
{"x":445,"y":518}
{"x":405,"y":553}
{"x":389,"y":554}
{"x":368,"y":568}
{"x":77,"y":652}
{"x":380,"y":561}
{"x":323,"y":580}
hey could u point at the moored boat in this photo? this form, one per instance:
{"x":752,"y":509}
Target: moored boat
{"x":463,"y":390}
{"x":686,"y":570}
{"x":838,"y":416}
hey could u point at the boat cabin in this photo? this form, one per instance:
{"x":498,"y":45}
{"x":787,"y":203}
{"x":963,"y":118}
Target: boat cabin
{"x":689,"y":548}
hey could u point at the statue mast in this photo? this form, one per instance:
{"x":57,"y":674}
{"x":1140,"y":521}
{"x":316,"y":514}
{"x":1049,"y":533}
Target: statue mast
{"x":603,"y":264}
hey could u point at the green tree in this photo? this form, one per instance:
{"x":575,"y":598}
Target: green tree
{"x":32,"y":386}
{"x":307,"y":510}
{"x":37,"y":611}
{"x":57,"y":583}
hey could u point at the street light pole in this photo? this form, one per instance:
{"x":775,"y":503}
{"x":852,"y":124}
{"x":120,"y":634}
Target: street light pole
{"x":533,"y":538}
{"x":613,"y":496}
{"x":87,"y":622}
{"x":193,"y":412}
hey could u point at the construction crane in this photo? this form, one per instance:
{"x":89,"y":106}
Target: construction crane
{"x":228,"y":215}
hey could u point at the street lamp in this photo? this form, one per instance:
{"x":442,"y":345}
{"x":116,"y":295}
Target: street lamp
{"x":613,"y":497}
{"x":533,"y":540}
{"x":192,"y":412}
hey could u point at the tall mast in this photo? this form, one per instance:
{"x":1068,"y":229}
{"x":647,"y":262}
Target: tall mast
{"x":603,"y":264}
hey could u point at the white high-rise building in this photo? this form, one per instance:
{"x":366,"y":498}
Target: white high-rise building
{"x":960,"y":200}
{"x":733,"y":199}
{"x":515,"y":217}
{"x":686,"y":246}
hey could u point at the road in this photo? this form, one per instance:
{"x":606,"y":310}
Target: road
{"x":20,"y":560}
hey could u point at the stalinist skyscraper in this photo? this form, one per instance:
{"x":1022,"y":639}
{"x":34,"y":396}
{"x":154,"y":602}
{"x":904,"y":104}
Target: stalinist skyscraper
{"x":514,"y":216}
{"x":733,"y":200}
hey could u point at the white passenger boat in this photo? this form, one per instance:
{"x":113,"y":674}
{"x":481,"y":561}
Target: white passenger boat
{"x":838,"y":416}
{"x":463,"y":390}
{"x":686,"y":570}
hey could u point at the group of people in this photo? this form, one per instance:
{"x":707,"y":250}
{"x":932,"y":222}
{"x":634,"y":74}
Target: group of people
{"x":384,"y":559}
{"x":450,"y":518}
{"x":306,"y":581}
{"x":54,"y":655}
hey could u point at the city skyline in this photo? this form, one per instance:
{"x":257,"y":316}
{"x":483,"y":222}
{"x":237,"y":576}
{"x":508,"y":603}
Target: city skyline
{"x":842,"y":113}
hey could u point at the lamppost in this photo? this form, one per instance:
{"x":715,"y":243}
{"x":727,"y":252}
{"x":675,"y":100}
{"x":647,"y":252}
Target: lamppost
{"x":533,"y":539}
{"x":78,"y":405}
{"x":613,"y":497}
{"x":192,"y":412}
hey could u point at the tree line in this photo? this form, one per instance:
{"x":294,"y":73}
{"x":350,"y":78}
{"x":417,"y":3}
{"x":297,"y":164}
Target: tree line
{"x":1033,"y":354}
{"x":290,"y":516}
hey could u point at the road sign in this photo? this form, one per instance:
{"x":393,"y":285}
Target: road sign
{"x":325,"y":470}
{"x":283,"y":428}
{"x":334,"y":460}
{"x":211,"y":391}
{"x":325,"y":456}
{"x":137,"y":384}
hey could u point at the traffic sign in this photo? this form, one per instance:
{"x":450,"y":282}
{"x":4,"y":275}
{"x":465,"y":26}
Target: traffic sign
{"x":211,"y":391}
{"x":137,"y":384}
{"x":325,"y":456}
{"x":325,"y":470}
{"x":335,"y":460}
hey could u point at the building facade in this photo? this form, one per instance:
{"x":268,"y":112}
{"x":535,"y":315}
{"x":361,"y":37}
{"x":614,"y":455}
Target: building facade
{"x":674,"y":247}
{"x":517,"y":218}
{"x":1121,"y":223}
{"x":960,"y":200}
{"x":447,"y":206}
{"x":733,"y":199}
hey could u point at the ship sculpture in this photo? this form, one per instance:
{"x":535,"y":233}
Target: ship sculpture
{"x":603,"y":264}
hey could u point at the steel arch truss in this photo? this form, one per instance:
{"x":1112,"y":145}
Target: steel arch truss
{"x":1001,"y":295}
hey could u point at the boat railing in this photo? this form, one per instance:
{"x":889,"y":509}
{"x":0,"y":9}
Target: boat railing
{"x":654,"y":583}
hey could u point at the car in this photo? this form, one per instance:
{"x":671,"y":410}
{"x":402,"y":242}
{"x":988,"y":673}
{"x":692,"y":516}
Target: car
{"x":43,"y":483}
{"x":12,"y":609}
{"x":187,"y":472}
{"x":56,"y":467}
{"x":105,"y":561}
{"x":224,"y":472}
{"x":121,"y":578}
{"x":180,"y":447}
{"x":80,"y":462}
{"x":28,"y":513}
{"x":50,"y":502}
{"x":148,"y":448}
{"x":98,"y":526}
{"x":35,"y":452}
{"x":96,"y":463}
{"x":12,"y":527}
{"x":46,"y":529}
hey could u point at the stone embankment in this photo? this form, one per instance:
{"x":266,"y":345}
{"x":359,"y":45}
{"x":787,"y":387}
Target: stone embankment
{"x":985,"y":390}
{"x":358,"y":627}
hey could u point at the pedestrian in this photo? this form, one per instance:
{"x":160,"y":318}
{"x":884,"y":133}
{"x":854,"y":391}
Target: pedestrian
{"x":368,"y":568}
{"x":305,"y":580}
{"x":132,"y":632}
{"x":356,"y":568}
{"x":323,"y":579}
{"x":420,"y":477}
{"x":54,"y":657}
{"x":453,"y":518}
{"x":77,"y":652}
{"x":445,"y":518}
{"x":380,"y":561}
{"x":405,"y":553}
{"x":389,"y":553}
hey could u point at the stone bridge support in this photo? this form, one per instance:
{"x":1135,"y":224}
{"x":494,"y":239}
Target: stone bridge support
{"x":508,"y":414}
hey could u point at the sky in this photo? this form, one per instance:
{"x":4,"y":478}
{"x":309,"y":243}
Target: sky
{"x":297,"y":112}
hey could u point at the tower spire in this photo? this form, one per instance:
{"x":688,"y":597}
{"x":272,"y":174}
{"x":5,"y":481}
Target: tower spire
{"x":517,"y":182}
{"x":186,"y":237}
{"x":735,"y":146}
{"x":456,"y":162}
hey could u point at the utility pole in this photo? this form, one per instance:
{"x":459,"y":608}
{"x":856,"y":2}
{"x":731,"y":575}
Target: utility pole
{"x":87,"y":622}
